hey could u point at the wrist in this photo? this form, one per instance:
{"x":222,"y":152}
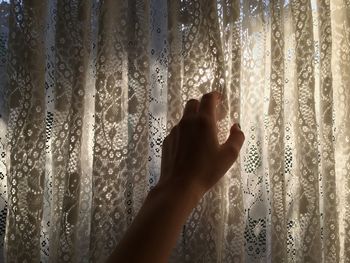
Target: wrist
{"x":180,"y":189}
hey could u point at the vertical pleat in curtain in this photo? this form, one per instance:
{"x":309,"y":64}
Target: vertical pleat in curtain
{"x":196,"y":66}
{"x":120,"y":165}
{"x":341,"y":81}
{"x":306,"y":133}
{"x":71,"y":56}
{"x":93,"y":87}
{"x":326,"y":137}
{"x":26,"y":125}
{"x":276,"y":135}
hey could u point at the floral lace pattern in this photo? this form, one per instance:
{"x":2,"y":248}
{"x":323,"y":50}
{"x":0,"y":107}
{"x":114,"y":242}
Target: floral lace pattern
{"x":90,"y":88}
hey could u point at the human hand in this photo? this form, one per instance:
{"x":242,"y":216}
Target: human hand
{"x":192,"y":153}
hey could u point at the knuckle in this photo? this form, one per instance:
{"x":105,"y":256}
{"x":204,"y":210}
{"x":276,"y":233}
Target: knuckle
{"x":232,"y":150}
{"x":239,"y":135}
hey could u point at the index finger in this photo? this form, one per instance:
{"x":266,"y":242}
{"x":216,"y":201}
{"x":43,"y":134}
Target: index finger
{"x":208,"y":104}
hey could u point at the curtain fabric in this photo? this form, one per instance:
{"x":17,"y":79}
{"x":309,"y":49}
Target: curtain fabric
{"x":90,"y":88}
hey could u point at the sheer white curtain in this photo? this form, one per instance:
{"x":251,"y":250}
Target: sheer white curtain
{"x":90,"y":88}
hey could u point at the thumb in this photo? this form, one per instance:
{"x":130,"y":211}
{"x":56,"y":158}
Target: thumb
{"x":229,"y":150}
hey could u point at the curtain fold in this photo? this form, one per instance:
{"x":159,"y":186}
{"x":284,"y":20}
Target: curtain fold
{"x":90,"y":88}
{"x":327,"y":148}
{"x":26,"y":125}
{"x":70,"y":69}
{"x":306,"y":133}
{"x":233,"y":214}
{"x":276,"y":134}
{"x":120,"y":165}
{"x":340,"y":69}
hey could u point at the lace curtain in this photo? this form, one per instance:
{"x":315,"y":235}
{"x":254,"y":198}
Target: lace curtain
{"x":89,"y":89}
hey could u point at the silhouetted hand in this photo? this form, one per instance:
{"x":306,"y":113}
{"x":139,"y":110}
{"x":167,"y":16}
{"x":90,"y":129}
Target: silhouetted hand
{"x":192,"y":153}
{"x":192,"y":162}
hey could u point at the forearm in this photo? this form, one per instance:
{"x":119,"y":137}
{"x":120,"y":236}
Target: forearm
{"x":192,"y":162}
{"x":154,"y":231}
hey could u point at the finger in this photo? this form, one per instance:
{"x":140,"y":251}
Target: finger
{"x":191,"y":107}
{"x":208,"y":104}
{"x":236,"y":137}
{"x":229,"y":150}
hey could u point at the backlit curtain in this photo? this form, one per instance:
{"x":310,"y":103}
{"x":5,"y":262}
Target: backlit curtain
{"x":90,"y":88}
